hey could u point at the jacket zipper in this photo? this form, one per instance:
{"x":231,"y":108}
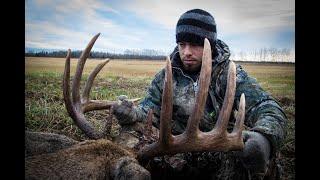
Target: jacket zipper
{"x":194,"y":84}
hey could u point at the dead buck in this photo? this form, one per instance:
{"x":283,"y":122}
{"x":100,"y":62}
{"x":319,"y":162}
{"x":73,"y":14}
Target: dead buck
{"x":103,"y":159}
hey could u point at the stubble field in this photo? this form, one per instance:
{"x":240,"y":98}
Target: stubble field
{"x":45,"y":110}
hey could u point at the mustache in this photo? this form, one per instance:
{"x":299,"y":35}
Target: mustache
{"x":189,"y":59}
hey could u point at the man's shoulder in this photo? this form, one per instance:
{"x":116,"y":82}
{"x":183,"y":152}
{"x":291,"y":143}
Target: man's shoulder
{"x":159,"y":76}
{"x":161,"y":73}
{"x":221,"y":75}
{"x":241,"y":73}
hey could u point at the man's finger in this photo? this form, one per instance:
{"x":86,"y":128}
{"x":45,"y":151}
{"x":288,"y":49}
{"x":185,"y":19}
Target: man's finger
{"x":127,"y":103}
{"x":122,"y":97}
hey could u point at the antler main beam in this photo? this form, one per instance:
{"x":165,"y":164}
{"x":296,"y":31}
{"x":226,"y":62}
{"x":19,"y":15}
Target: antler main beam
{"x":77,"y":105}
{"x":193,"y":140}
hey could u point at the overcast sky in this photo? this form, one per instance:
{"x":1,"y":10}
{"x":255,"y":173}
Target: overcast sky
{"x":150,"y":24}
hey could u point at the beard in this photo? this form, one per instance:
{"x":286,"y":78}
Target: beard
{"x":191,"y":68}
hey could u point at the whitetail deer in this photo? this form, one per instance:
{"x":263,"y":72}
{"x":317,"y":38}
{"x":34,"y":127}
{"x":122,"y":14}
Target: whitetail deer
{"x":103,"y":159}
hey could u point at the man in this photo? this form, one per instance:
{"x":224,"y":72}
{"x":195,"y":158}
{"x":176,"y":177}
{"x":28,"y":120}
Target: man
{"x":265,"y":120}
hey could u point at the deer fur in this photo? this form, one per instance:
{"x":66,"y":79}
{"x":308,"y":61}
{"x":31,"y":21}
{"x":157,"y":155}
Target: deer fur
{"x":39,"y":142}
{"x":90,"y":159}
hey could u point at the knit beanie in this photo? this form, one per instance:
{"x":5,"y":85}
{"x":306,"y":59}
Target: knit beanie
{"x":195,"y":25}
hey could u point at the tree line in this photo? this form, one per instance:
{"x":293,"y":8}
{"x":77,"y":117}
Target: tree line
{"x":266,"y":55}
{"x":128,"y":54}
{"x":260,"y":55}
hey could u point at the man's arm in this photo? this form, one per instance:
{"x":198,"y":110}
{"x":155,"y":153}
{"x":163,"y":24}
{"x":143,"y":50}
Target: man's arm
{"x":127,"y":113}
{"x":265,"y":119}
{"x":263,"y":113}
{"x":152,"y":99}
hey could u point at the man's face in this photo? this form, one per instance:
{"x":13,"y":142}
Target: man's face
{"x":191,"y":56}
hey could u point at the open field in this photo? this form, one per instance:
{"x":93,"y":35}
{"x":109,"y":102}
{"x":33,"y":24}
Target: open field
{"x":278,"y":79}
{"x":121,"y":68}
{"x":45,"y":110}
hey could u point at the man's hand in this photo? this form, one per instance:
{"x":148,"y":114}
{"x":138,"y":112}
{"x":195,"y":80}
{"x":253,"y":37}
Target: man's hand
{"x":124,"y":111}
{"x":256,"y":152}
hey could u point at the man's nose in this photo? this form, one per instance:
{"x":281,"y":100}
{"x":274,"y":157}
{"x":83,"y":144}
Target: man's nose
{"x":187,"y":51}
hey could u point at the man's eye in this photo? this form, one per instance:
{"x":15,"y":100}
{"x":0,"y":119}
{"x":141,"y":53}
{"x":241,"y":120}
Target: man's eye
{"x":194,"y":45}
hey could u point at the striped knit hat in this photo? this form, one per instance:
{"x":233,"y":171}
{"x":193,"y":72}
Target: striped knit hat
{"x":195,"y":25}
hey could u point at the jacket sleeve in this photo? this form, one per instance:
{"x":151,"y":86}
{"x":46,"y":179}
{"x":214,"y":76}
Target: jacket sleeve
{"x":263,"y":112}
{"x":152,"y":100}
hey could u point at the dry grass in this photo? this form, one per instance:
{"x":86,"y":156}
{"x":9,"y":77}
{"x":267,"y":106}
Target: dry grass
{"x":278,"y":79}
{"x":45,"y":111}
{"x":122,"y":68}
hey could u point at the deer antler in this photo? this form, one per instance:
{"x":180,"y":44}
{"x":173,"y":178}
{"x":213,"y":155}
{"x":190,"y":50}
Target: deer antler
{"x":193,"y":140}
{"x":76,"y":105}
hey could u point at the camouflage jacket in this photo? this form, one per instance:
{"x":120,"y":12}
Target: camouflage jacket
{"x":263,"y":113}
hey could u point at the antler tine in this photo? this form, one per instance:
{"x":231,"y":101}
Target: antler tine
{"x":73,"y":105}
{"x":93,"y":74}
{"x":204,"y":81}
{"x":240,"y":116}
{"x":78,"y":118}
{"x":77,"y":78}
{"x":66,"y":86}
{"x":224,"y":115}
{"x":166,"y":107}
{"x":165,"y":137}
{"x":97,"y":105}
{"x":90,"y":105}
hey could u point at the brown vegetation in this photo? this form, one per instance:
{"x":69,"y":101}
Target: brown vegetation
{"x":101,"y":154}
